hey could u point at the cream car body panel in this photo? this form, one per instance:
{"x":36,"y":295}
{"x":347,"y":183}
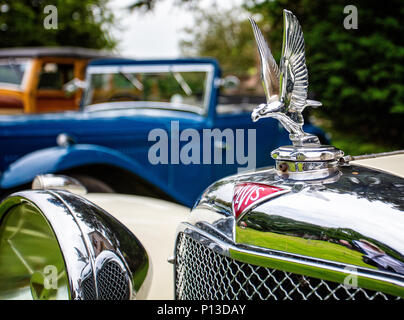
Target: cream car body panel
{"x":154,"y":223}
{"x":393,"y":164}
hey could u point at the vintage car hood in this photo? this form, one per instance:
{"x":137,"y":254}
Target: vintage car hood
{"x":154,"y":223}
{"x":355,"y":218}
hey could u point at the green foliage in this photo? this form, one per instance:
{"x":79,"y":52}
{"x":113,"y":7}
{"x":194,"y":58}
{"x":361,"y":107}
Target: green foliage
{"x":352,"y":143}
{"x":82,"y":23}
{"x":357,"y":73}
{"x":225,"y":36}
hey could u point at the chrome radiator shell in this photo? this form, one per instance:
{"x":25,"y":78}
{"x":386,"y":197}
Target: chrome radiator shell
{"x":322,"y":229}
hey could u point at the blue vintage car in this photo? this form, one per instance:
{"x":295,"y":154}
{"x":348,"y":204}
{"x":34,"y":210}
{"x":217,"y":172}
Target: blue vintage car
{"x":157,"y":128}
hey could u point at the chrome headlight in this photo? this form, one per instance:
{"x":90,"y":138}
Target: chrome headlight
{"x":57,"y":245}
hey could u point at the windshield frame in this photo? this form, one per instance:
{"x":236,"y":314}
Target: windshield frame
{"x":152,"y":68}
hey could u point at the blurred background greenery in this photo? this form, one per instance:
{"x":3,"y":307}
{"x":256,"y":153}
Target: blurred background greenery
{"x":83,"y":23}
{"x":357,"y":73}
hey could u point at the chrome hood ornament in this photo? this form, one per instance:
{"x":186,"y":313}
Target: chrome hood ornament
{"x":286,"y":89}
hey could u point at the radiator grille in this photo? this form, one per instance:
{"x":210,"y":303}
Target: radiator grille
{"x":202,"y":273}
{"x":88,"y":285}
{"x":112,"y":282}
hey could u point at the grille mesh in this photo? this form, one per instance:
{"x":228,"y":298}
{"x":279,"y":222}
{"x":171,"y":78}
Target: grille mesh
{"x":112,"y":282}
{"x":202,"y":273}
{"x":89,"y":288}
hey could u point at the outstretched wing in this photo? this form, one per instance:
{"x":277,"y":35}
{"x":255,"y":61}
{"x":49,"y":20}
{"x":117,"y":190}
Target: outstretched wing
{"x":294,"y":80}
{"x":269,"y":68}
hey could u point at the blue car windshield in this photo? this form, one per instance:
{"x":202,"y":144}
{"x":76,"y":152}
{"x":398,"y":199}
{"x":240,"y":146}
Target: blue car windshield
{"x":186,"y":88}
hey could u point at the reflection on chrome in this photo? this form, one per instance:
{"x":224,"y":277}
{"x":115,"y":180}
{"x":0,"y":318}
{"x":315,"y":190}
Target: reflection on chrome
{"x":59,"y":182}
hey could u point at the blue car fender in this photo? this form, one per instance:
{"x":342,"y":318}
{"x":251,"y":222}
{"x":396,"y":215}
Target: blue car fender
{"x":56,"y":159}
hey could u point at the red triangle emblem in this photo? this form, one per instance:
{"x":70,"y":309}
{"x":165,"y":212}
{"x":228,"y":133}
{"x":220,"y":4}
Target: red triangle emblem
{"x":246,"y":195}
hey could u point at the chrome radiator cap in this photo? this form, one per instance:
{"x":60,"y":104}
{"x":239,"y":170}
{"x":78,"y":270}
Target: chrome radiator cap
{"x":307,"y":162}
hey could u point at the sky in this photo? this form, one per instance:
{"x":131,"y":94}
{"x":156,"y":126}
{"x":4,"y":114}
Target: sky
{"x":155,"y":34}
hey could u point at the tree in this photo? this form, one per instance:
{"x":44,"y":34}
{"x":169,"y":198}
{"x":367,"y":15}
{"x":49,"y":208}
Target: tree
{"x":225,"y":36}
{"x":83,"y":23}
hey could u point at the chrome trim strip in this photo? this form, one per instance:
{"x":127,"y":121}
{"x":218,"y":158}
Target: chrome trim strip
{"x":85,"y":238}
{"x":372,"y":155}
{"x":191,"y":67}
{"x":125,"y":105}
